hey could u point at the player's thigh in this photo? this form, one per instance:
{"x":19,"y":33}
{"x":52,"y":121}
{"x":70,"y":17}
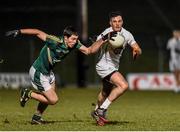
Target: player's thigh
{"x":50,"y":94}
{"x":118,"y":80}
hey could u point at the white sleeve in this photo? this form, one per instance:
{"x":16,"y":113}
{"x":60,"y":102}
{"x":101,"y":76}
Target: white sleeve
{"x":99,"y":37}
{"x":130,"y":39}
{"x":106,"y":31}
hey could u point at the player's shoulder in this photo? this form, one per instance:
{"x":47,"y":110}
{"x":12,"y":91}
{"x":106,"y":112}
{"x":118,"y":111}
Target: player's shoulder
{"x":171,"y":43}
{"x":170,"y":40}
{"x":106,"y":31}
{"x":54,"y":38}
{"x":125,"y":31}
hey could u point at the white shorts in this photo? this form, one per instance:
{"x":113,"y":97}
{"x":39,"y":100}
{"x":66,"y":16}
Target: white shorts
{"x":40,"y":81}
{"x":174,"y":65}
{"x":105,"y":70}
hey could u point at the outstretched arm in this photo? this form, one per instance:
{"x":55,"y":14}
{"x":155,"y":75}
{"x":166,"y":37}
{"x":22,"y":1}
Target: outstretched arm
{"x":136,"y":50}
{"x":93,"y":48}
{"x":40,"y":34}
{"x":96,"y":45}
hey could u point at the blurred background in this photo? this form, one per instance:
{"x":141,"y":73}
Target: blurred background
{"x":150,"y":21}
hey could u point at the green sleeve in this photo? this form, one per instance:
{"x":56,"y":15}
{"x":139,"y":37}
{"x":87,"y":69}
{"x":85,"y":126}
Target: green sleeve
{"x":79,"y":44}
{"x":52,"y":41}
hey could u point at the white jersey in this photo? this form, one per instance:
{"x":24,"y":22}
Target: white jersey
{"x":174,"y":46}
{"x":109,"y":58}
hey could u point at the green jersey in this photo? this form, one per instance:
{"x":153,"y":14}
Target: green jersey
{"x":54,"y":50}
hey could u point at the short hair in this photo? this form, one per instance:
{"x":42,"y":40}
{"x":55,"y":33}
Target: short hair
{"x":114,"y":14}
{"x":70,"y":30}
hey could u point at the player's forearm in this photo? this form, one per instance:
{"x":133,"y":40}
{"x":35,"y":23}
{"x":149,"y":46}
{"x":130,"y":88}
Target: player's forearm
{"x":29,"y":31}
{"x":95,"y":46}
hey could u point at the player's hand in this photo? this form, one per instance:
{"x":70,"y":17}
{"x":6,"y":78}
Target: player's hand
{"x":109,"y":36}
{"x":136,"y":53}
{"x":12,"y":33}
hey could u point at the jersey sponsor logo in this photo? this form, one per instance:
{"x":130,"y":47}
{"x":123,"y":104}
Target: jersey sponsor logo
{"x":58,"y":51}
{"x":117,"y":50}
{"x":56,"y":60}
{"x":62,"y":51}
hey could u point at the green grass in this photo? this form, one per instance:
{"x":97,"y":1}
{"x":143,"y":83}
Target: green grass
{"x":135,"y":110}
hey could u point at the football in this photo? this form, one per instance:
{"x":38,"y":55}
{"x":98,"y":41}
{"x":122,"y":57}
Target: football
{"x":117,"y":41}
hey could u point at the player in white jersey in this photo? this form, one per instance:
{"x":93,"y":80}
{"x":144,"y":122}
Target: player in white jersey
{"x":113,"y":82}
{"x":174,"y":62}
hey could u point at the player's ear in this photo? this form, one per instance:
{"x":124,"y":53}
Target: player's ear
{"x":65,"y":37}
{"x":110,"y":23}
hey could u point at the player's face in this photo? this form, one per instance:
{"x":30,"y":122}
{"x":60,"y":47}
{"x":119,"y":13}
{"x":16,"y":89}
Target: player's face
{"x":176,"y":34}
{"x":116,"y":23}
{"x":71,"y":41}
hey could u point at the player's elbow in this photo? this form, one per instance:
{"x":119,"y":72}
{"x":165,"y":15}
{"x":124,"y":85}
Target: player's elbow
{"x":87,"y":51}
{"x":40,"y":34}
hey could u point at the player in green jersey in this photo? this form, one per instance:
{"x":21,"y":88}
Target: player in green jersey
{"x":55,"y":50}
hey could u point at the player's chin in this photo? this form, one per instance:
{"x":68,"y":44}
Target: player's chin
{"x":117,"y":29}
{"x":71,"y":45}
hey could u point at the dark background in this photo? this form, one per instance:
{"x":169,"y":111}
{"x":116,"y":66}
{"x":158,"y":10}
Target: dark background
{"x":151,"y":23}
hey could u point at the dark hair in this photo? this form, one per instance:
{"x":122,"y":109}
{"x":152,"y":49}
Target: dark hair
{"x":69,"y":30}
{"x":114,"y":14}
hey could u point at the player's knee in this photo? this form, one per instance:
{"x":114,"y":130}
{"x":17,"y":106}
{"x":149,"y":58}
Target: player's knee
{"x":53,"y":101}
{"x":123,"y":87}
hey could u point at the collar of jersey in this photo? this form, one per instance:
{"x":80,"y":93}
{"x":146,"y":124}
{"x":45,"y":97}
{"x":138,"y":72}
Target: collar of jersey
{"x":62,"y":37}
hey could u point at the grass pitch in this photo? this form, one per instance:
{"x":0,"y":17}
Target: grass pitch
{"x":135,"y":110}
